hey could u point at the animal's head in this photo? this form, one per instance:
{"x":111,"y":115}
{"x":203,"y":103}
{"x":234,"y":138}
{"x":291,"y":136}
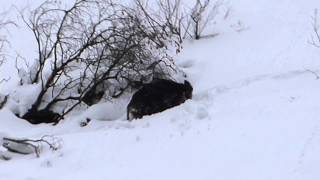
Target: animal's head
{"x":188,"y":89}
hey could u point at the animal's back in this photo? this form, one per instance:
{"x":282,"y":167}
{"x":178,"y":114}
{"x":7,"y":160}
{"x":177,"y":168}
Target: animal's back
{"x":155,"y":97}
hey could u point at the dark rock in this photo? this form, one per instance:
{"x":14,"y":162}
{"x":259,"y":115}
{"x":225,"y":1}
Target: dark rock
{"x":42,"y":116}
{"x":93,"y":96}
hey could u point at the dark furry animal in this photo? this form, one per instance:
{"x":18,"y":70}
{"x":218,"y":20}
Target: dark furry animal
{"x":42,"y":116}
{"x":158,"y":96}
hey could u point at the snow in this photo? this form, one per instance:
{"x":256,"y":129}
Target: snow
{"x":254,"y":114}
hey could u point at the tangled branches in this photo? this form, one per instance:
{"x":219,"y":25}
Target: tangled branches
{"x":91,"y":48}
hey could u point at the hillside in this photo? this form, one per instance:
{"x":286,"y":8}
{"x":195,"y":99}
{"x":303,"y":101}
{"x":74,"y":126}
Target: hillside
{"x":254,"y":113}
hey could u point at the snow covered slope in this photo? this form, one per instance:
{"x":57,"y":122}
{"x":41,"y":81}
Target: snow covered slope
{"x":255,"y":112}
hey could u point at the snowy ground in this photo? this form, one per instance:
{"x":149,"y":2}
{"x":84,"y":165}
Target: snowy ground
{"x":255,"y":112}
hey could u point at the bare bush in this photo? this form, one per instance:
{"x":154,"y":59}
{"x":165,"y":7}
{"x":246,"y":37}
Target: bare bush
{"x":188,"y":22}
{"x":3,"y":41}
{"x":203,"y":12}
{"x":172,"y":15}
{"x":4,"y":23}
{"x":94,"y":47}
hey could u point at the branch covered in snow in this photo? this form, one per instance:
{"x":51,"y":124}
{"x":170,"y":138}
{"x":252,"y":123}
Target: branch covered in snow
{"x":30,"y":146}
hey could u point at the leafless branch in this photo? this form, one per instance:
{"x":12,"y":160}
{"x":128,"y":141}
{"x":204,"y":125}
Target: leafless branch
{"x":203,"y":12}
{"x":315,"y":37}
{"x":4,"y":23}
{"x":3,"y":100}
